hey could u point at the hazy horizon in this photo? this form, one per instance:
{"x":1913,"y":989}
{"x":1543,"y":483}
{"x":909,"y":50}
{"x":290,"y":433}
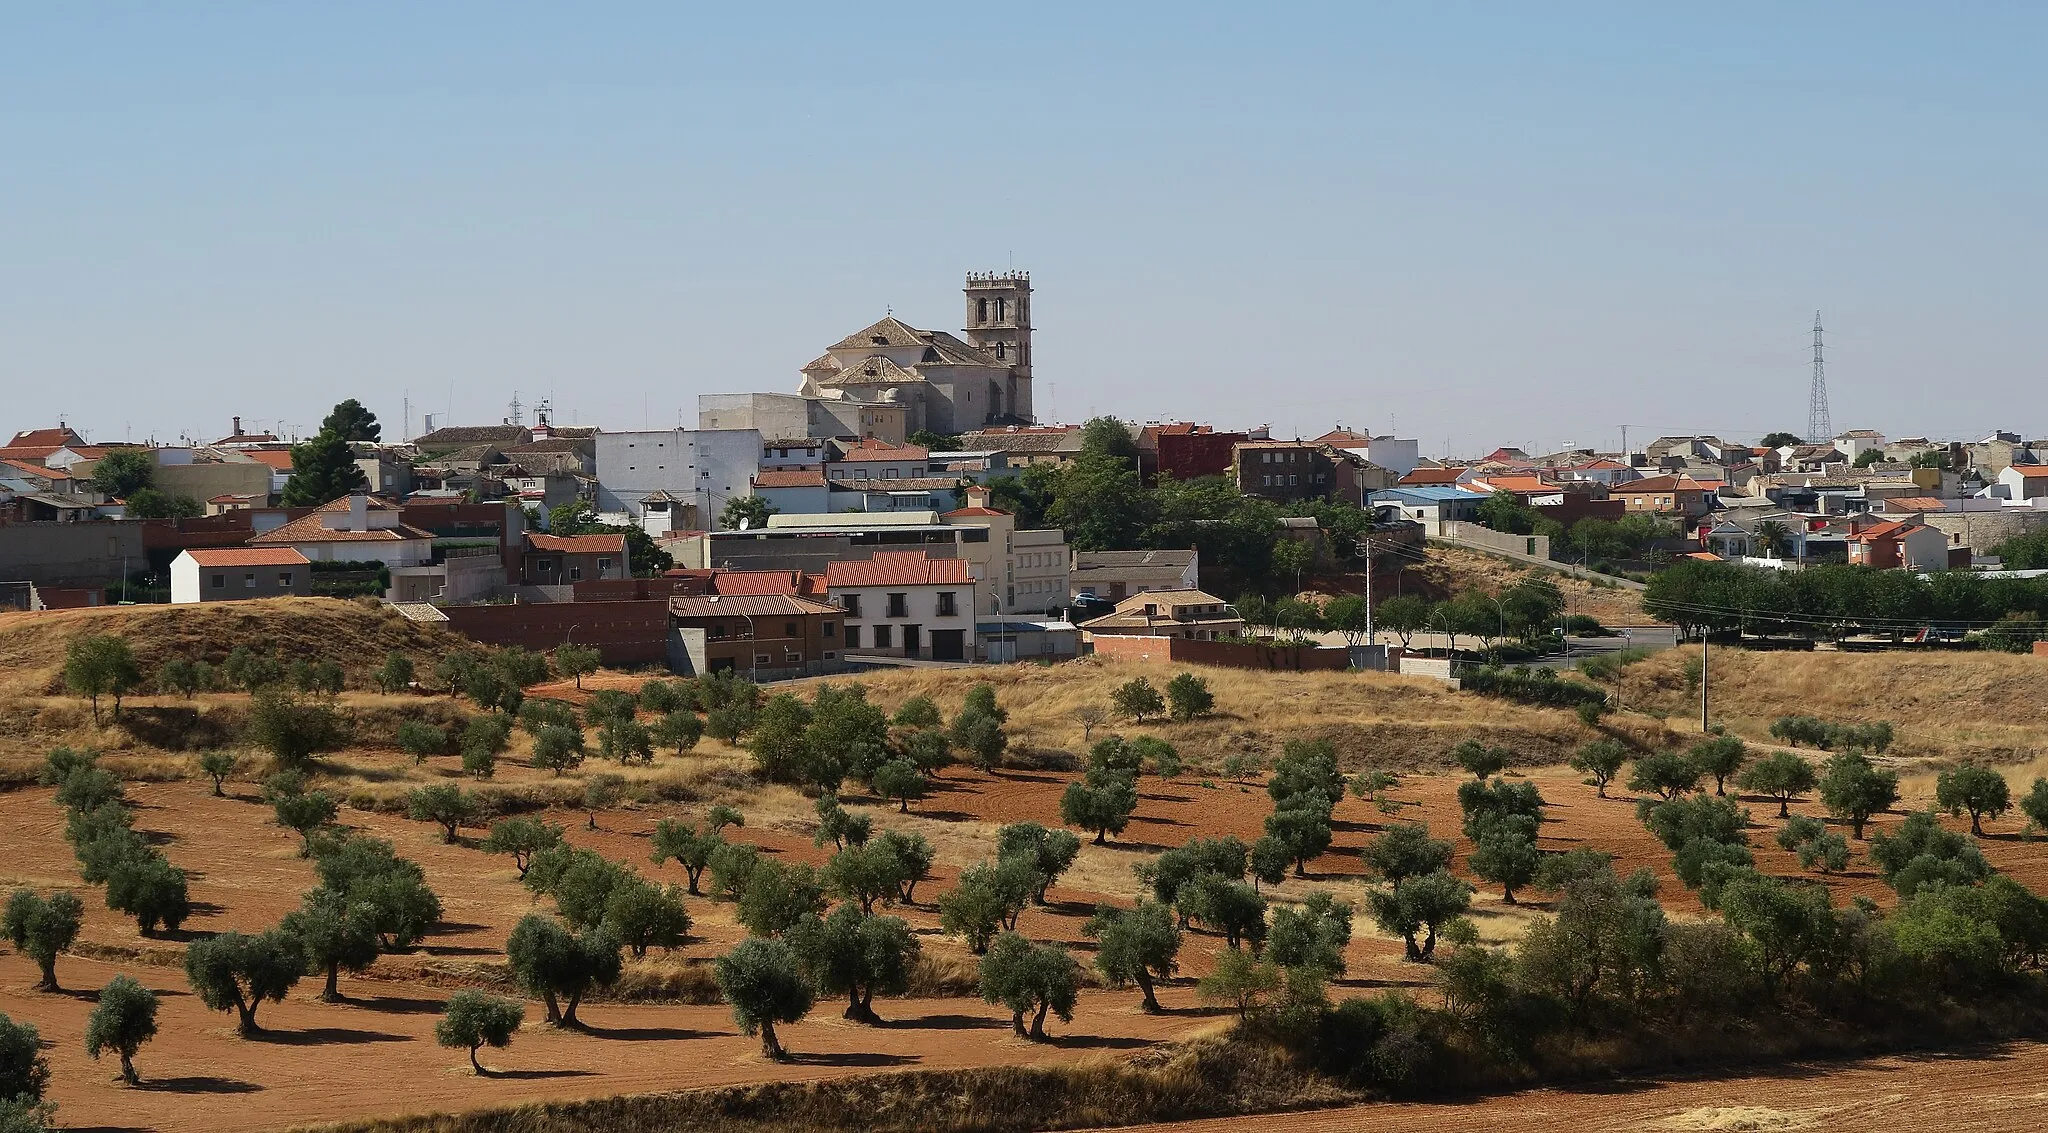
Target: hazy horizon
{"x":1471,"y":224}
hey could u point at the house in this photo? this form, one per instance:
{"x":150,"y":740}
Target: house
{"x":1666,"y":495}
{"x":1394,"y":454}
{"x":759,"y":636}
{"x":1426,"y":477}
{"x":1856,"y":442}
{"x":1898,"y":544}
{"x":793,"y":490}
{"x":458,"y":437}
{"x":1186,"y":450}
{"x":2024,"y":481}
{"x":1190,"y":614}
{"x":703,"y":468}
{"x":1022,"y":445}
{"x":905,"y":603}
{"x":1431,"y":505}
{"x":1113,"y":576}
{"x":234,"y":573}
{"x":563,"y":560}
{"x":829,"y":414}
{"x":879,"y":460}
{"x":356,"y":528}
{"x":1285,"y":472}
{"x":785,"y":453}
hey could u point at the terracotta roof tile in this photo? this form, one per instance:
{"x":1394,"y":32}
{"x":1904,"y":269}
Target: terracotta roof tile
{"x":898,"y":568}
{"x":246,"y":556}
{"x":789,"y":478}
{"x":578,"y":544}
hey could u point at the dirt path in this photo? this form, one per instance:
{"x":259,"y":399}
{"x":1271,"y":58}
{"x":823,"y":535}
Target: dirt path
{"x":1997,"y":1089}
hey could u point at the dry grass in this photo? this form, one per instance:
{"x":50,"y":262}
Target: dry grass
{"x":1945,"y":706}
{"x":1450,"y":570}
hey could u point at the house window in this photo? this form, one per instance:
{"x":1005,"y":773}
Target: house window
{"x":899,"y":606}
{"x":851,"y":604}
{"x":284,"y":579}
{"x":947,"y":608}
{"x":544,"y":566}
{"x":604,"y":567}
{"x":882,"y":637}
{"x":575,"y":573}
{"x":220,"y":582}
{"x":789,"y":629}
{"x":249,"y":580}
{"x":852,"y":636}
{"x":827,"y":629}
{"x":716,"y":632}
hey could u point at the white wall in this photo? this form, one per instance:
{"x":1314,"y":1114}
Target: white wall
{"x":704,"y":467}
{"x":921,"y":609}
{"x":184,"y":579}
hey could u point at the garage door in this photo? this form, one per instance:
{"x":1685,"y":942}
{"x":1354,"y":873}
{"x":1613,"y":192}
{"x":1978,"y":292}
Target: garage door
{"x":949,"y":645}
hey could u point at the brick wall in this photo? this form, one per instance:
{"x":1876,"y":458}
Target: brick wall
{"x":624,"y":633}
{"x":1224,"y":653}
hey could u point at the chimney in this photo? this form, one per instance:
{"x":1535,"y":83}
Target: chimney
{"x":238,"y":428}
{"x":358,"y":512}
{"x":978,"y":495}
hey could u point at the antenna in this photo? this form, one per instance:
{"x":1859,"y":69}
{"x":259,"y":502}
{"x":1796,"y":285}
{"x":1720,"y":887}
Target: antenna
{"x":1819,"y":428}
{"x":518,"y":410}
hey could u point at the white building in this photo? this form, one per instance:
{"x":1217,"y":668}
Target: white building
{"x":905,"y":603}
{"x":225,"y":574}
{"x":1395,"y":454}
{"x":356,"y":528}
{"x":702,"y":469}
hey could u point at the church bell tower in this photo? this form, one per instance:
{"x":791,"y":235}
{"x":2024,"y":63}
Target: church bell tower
{"x":999,"y":323}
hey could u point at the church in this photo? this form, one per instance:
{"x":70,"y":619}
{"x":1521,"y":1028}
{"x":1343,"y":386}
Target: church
{"x":945,"y":384}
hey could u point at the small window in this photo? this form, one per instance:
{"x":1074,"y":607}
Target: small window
{"x":575,"y":574}
{"x":789,"y":629}
{"x":284,"y":579}
{"x":851,"y":603}
{"x":947,"y":607}
{"x":899,"y":606}
{"x":882,"y":634}
{"x":852,"y":637}
{"x":604,"y":567}
{"x":249,"y":580}
{"x":760,"y":657}
{"x":220,"y":582}
{"x":827,"y":629}
{"x":829,"y":655}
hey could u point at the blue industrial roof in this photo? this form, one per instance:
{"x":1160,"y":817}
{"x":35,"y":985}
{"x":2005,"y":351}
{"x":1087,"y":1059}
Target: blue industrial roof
{"x":1428,"y":493}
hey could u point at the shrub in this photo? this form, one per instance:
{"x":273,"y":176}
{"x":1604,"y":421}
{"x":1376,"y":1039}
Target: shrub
{"x":238,"y":972}
{"x":1921,"y":852}
{"x":444,"y":804}
{"x":1853,"y":789}
{"x":765,"y":985}
{"x":978,"y":727}
{"x":1481,"y":761}
{"x":1313,"y":935}
{"x":152,"y":891}
{"x":218,"y":765}
{"x":609,"y":704}
{"x":1240,"y":980}
{"x":557,"y":748}
{"x":918,"y":712}
{"x":1038,"y":978}
{"x":1188,"y":696}
{"x":293,"y":731}
{"x":626,"y":740}
{"x":123,"y":1020}
{"x":473,"y":1019}
{"x":1542,"y":687}
{"x":601,"y":792}
{"x":23,"y":1071}
{"x":305,"y":814}
{"x":1137,"y":699}
{"x":1161,"y":755}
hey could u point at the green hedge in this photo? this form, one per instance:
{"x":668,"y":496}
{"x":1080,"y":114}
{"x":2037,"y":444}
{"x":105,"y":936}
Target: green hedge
{"x":1532,"y":686}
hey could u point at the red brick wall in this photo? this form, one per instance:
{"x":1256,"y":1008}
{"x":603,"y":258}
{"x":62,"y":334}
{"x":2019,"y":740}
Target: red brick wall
{"x":1225,"y":653}
{"x":1185,"y":456}
{"x":624,"y":633}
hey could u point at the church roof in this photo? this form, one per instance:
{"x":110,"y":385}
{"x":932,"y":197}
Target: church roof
{"x":890,"y":331}
{"x":952,"y":351}
{"x":822,"y":364}
{"x":875,"y":369}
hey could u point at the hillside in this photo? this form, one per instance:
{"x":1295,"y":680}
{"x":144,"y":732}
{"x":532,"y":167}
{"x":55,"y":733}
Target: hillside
{"x":1448,"y":570}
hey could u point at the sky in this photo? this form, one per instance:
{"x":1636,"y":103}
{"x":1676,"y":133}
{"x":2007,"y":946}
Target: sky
{"x":1473,"y":224}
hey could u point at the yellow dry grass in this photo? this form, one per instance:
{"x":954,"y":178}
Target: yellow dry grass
{"x":1944,"y":706}
{"x":1450,"y":570}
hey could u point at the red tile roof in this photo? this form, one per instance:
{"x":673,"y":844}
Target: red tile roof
{"x":246,"y":556}
{"x":38,"y":443}
{"x":758,"y":582}
{"x":578,"y":544}
{"x":277,"y":458}
{"x":2030,"y":471}
{"x":1895,"y":529}
{"x":1433,"y":476}
{"x":898,"y":568}
{"x":1664,"y":484}
{"x":975,"y":511}
{"x":311,"y":529}
{"x":747,"y":605}
{"x":789,"y":478}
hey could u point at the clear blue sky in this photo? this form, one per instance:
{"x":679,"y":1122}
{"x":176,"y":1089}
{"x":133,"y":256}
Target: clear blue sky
{"x":1481,"y":223}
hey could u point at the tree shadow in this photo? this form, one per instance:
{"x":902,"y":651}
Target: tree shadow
{"x":325,"y":1036}
{"x":948,"y":1023}
{"x":457,"y":950}
{"x":1133,"y":846}
{"x":852,"y":1059}
{"x":649,"y":1034}
{"x":182,"y":936}
{"x":1098,"y":1042}
{"x":533,"y":1075}
{"x":394,"y":1005}
{"x":943,"y":815}
{"x":199,"y":1084}
{"x":1169,"y":798}
{"x":1026,"y":776}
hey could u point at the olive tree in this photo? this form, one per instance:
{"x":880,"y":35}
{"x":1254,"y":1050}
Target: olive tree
{"x":1599,"y":762}
{"x":1979,"y":792}
{"x":335,"y":934}
{"x":1852,"y":788}
{"x":122,"y":1021}
{"x":235,"y":971}
{"x":559,"y":966}
{"x":101,"y":665}
{"x":1136,"y":945}
{"x":1781,"y":775}
{"x":42,"y":928}
{"x":1026,"y":977}
{"x":443,"y":804}
{"x":217,"y":765}
{"x":765,"y":985}
{"x":522,"y":838}
{"x":475,"y":1019}
{"x":852,"y":954}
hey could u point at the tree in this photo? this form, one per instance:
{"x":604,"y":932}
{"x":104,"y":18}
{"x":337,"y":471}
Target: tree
{"x":679,"y":729}
{"x":1313,"y":935}
{"x":918,"y":711}
{"x":1137,"y":945}
{"x":559,"y":966}
{"x":1403,"y":615}
{"x":1228,"y":906}
{"x":986,"y":900}
{"x":1781,"y":775}
{"x":732,"y":868}
{"x":323,"y":470}
{"x":1721,"y":757}
{"x":351,"y":422}
{"x":838,"y":825}
{"x":765,"y":985}
{"x":1405,"y":851}
{"x":1504,"y":852}
{"x":978,"y":727}
{"x":445,"y":804}
{"x":1047,"y":853}
{"x":525,"y":837}
{"x":291,"y":730}
{"x":123,"y":472}
{"x":1137,"y":699}
{"x":1781,"y":439}
{"x":644,"y":915}
{"x":1852,"y":789}
{"x":856,"y":955}
{"x":235,"y":971}
{"x":99,"y":665}
{"x":474,"y":1018}
{"x":1480,"y":760}
{"x":625,"y":741}
{"x":151,"y":890}
{"x":914,"y":857}
{"x":576,"y":661}
{"x":1665,"y":773}
{"x":391,"y":891}
{"x":179,"y":676}
{"x":1422,"y":905}
{"x":305,"y":814}
{"x":687,"y":846}
{"x":1920,"y":853}
{"x":42,"y":928}
{"x":558,"y":748}
{"x":23,"y":1070}
{"x":123,"y":1020}
{"x":898,"y":780}
{"x":395,"y":675}
{"x":779,"y":897}
{"x":149,"y":503}
{"x":1977,"y":791}
{"x":745,"y":513}
{"x":1188,"y":696}
{"x":1600,"y":761}
{"x":1302,"y":824}
{"x":2034,"y":804}
{"x":1103,"y":804}
{"x":335,"y":935}
{"x":1027,"y":977}
{"x":1240,"y":980}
